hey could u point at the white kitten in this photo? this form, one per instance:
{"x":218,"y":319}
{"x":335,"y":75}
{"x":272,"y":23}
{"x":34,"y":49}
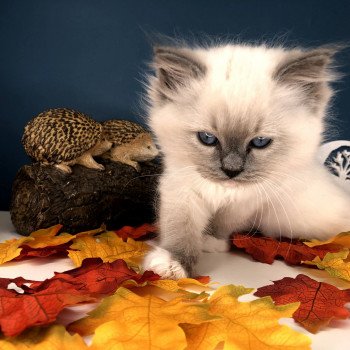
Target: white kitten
{"x":239,"y":127}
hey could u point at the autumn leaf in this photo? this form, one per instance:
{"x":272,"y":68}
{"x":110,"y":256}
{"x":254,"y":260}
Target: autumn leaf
{"x":99,"y":279}
{"x":107,"y":246}
{"x":319,"y":302}
{"x":39,"y":338}
{"x":342,"y":240}
{"x":128,"y":321}
{"x":244,"y":325}
{"x":57,"y":251}
{"x":40,"y":244}
{"x":41,"y":306}
{"x":42,"y":301}
{"x":267,"y":249}
{"x":175,"y":285}
{"x":335,"y":264}
{"x":10,"y":249}
{"x":136,"y":232}
{"x":47,"y":237}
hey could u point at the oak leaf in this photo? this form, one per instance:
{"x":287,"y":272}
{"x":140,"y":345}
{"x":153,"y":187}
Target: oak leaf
{"x":107,"y":246}
{"x":319,"y":302}
{"x":128,"y":321}
{"x":267,"y":249}
{"x":39,"y":338}
{"x":244,"y":325}
{"x":336,"y":264}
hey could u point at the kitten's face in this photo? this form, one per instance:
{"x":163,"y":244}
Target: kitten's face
{"x":234,"y":119}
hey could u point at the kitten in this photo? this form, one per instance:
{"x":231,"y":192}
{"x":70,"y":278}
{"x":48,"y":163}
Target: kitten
{"x":239,"y":127}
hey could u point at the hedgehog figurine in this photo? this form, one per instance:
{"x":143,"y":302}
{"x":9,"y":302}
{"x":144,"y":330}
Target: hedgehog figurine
{"x":64,"y":137}
{"x":131,"y":143}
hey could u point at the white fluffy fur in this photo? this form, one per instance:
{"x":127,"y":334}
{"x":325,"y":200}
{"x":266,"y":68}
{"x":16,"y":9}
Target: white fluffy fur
{"x":297,"y":198}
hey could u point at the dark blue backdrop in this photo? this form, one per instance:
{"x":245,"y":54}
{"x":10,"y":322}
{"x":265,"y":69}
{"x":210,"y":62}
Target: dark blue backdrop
{"x":88,"y":54}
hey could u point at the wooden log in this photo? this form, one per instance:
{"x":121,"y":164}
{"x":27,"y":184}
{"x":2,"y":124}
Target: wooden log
{"x":43,"y":196}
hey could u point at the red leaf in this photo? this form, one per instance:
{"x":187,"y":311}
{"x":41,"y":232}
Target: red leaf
{"x":203,"y":279}
{"x":136,"y":232}
{"x":97,"y":278}
{"x":41,"y":302}
{"x":57,"y":251}
{"x":20,"y":311}
{"x":267,"y":249}
{"x":320,"y":302}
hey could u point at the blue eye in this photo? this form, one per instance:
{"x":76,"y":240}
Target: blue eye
{"x":260,"y":142}
{"x":207,"y":139}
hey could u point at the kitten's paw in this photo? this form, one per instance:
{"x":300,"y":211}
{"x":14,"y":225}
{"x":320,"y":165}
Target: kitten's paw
{"x":160,"y":261}
{"x":214,"y":245}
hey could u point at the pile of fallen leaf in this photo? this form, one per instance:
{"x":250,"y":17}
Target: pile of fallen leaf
{"x":135,"y":309}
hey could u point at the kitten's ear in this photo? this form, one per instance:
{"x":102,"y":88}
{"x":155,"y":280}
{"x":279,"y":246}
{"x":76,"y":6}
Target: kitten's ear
{"x":311,"y":71}
{"x":175,"y":67}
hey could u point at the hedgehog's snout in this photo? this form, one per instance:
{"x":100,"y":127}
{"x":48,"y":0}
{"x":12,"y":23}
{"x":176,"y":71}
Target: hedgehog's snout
{"x":152,"y":150}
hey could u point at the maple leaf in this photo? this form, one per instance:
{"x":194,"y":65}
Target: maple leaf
{"x":47,"y":237}
{"x":128,"y":321}
{"x":10,"y":249}
{"x":320,"y":302}
{"x":98,"y":279}
{"x":244,"y":325}
{"x":107,"y":246}
{"x":175,"y":285}
{"x":19,"y":311}
{"x":266,"y":249}
{"x":335,"y":264}
{"x":135,"y":233}
{"x":42,"y":301}
{"x":51,"y":338}
{"x":27,"y":252}
{"x":342,"y":240}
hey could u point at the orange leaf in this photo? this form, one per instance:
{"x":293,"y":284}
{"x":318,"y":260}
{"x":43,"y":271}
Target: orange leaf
{"x":10,"y":249}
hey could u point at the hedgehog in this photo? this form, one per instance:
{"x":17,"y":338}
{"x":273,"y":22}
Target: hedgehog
{"x":64,"y":137}
{"x":131,"y":143}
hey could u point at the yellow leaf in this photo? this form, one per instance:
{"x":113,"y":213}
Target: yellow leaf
{"x":128,"y":321}
{"x":342,"y":239}
{"x":245,"y":325}
{"x":175,"y":285}
{"x":335,"y":264}
{"x":41,"y":338}
{"x":47,"y":237}
{"x":10,"y":249}
{"x":107,"y":246}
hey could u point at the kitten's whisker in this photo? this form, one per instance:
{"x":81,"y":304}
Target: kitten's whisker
{"x":290,"y":198}
{"x":275,"y":192}
{"x":274,"y":209}
{"x":247,"y":235}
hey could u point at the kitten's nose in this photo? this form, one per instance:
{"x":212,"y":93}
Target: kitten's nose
{"x":231,"y":173}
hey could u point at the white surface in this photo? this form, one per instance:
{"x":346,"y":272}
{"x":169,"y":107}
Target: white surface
{"x":225,"y":268}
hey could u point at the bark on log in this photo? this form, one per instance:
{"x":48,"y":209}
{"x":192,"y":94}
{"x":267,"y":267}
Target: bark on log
{"x":43,"y":196}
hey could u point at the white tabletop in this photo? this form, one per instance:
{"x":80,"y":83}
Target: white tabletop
{"x":225,"y":268}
